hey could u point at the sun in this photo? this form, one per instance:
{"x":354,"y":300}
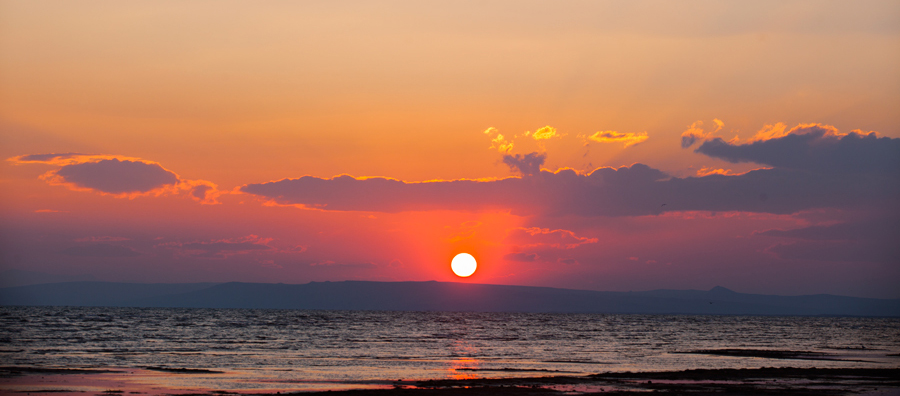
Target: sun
{"x":463,"y":265}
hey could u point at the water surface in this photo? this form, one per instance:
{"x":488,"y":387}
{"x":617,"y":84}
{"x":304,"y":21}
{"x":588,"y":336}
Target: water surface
{"x":257,"y":348}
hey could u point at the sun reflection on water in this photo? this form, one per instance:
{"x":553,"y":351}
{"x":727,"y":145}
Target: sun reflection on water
{"x":462,"y":365}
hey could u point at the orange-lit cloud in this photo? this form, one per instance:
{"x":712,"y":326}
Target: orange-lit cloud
{"x":504,"y":144}
{"x":544,"y":133}
{"x":769,"y":132}
{"x":706,"y":171}
{"x":498,"y":141}
{"x":202,"y":191}
{"x":779,"y":130}
{"x":629,"y":139}
{"x":713,"y":171}
{"x":695,"y":133}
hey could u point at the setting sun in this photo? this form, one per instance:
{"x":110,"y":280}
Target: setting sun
{"x":463,"y":265}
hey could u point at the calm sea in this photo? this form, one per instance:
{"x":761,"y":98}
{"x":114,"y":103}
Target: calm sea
{"x":348,"y":346}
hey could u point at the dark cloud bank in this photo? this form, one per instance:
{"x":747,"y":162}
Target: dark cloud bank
{"x":815,"y":149}
{"x":809,"y":170}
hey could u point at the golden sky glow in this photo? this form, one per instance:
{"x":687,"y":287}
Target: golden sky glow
{"x":178,"y":120}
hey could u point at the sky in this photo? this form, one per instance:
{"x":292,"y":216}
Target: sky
{"x":602,"y":145}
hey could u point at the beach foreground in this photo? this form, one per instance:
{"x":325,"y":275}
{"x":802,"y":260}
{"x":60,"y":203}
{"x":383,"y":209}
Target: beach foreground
{"x":764,"y":381}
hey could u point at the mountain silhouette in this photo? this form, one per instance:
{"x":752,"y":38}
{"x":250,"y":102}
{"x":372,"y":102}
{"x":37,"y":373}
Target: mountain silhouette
{"x":439,"y":296}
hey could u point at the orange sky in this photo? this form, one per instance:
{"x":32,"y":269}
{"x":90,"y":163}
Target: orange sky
{"x":238,"y":94}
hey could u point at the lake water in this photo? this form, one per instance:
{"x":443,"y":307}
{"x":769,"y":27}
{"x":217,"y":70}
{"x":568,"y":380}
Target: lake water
{"x":257,"y":348}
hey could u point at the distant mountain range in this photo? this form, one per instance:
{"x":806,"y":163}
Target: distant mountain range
{"x":17,"y":277}
{"x":438,"y":296}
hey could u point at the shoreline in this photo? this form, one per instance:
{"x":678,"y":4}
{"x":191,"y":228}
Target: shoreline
{"x":760,"y":381}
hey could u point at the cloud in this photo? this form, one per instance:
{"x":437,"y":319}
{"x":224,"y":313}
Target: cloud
{"x":268,"y":264}
{"x":498,"y":141}
{"x":878,"y":229}
{"x":629,"y":139}
{"x":527,"y":164}
{"x":297,"y":249}
{"x":625,"y":191}
{"x":222,"y":248}
{"x":535,"y":237}
{"x":521,"y":257}
{"x":544,"y":133}
{"x":606,"y":191}
{"x":815,"y":147}
{"x":811,"y":167}
{"x":202,"y":191}
{"x":769,"y":132}
{"x":101,"y":239}
{"x":712,"y":171}
{"x":866,"y":240}
{"x":696,"y":133}
{"x":119,"y":176}
{"x":100,"y":250}
{"x":504,"y":145}
{"x":53,"y":158}
{"x":845,"y":251}
{"x":356,"y":265}
{"x":115,"y":177}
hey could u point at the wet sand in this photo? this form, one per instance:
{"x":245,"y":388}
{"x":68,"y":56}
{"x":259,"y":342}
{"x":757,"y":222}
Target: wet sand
{"x":765,"y":381}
